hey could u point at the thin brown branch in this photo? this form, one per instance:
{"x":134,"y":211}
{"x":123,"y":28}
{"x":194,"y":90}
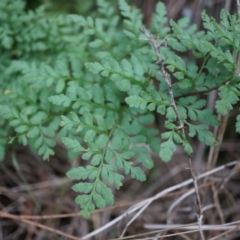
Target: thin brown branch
{"x":193,"y":226}
{"x":38,"y":225}
{"x":156,"y":45}
{"x":199,"y":204}
{"x":217,"y":204}
{"x":214,"y":151}
{"x":203,"y":92}
{"x":228,"y":231}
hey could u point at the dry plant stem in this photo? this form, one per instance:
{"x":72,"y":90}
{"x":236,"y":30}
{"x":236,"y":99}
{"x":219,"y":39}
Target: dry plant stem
{"x":220,"y":227}
{"x":45,"y":184}
{"x":184,"y":236}
{"x":137,"y":236}
{"x":160,"y":233}
{"x":202,"y":92}
{"x":38,"y":225}
{"x":199,"y":204}
{"x":227,"y":4}
{"x":198,"y":10}
{"x":174,"y":7}
{"x":217,"y":204}
{"x":156,"y":45}
{"x":214,"y":151}
{"x":167,"y":79}
{"x":225,"y":233}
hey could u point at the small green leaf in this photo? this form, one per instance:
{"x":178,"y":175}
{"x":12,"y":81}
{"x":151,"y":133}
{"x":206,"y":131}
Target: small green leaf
{"x":82,"y":187}
{"x":94,"y":67}
{"x":177,"y":138}
{"x":22,"y":129}
{"x":179,"y":75}
{"x":185,"y":84}
{"x":96,"y":43}
{"x":33,"y":132}
{"x":60,"y":85}
{"x":72,"y":144}
{"x":187,"y":147}
{"x":89,"y":135}
{"x":137,"y":173}
{"x":38,"y":118}
{"x":61,"y":99}
{"x":171,"y":115}
{"x":238,"y":124}
{"x":161,"y":109}
{"x":166,"y":150}
{"x":96,"y":159}
{"x":82,"y":173}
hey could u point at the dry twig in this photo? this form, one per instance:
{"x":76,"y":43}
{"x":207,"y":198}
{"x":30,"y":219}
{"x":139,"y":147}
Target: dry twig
{"x":199,"y":204}
{"x":38,"y":225}
{"x":167,"y":79}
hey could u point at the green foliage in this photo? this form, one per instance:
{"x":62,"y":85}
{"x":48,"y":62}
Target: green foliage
{"x":94,"y":83}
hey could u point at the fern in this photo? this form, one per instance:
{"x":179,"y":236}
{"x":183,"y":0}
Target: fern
{"x":96,"y":83}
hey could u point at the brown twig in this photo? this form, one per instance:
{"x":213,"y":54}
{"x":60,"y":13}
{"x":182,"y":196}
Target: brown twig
{"x":204,"y":91}
{"x":156,"y":45}
{"x":226,"y":232}
{"x":219,"y":133}
{"x":38,"y":225}
{"x":199,"y":204}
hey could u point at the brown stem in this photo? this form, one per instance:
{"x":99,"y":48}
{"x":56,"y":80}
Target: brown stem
{"x":167,"y":79}
{"x":199,"y":204}
{"x":156,"y":45}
